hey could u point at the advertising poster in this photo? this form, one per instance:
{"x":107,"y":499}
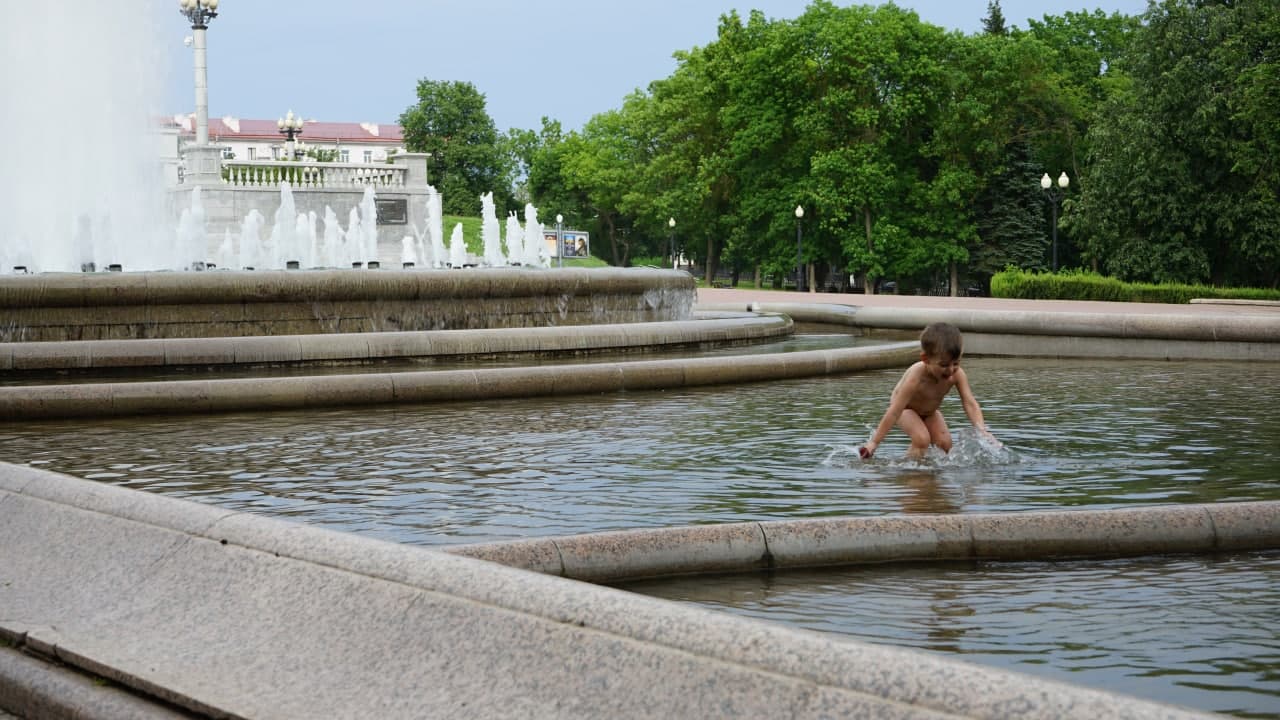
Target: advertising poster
{"x":576,"y":244}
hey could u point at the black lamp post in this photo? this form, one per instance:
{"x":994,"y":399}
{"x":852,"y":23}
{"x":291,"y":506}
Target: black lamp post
{"x":799,"y":264}
{"x":671,"y":223}
{"x":1054,"y":196}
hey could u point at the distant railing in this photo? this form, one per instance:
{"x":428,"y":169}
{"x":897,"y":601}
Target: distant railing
{"x":270,"y":173}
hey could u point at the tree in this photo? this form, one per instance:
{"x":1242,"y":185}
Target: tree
{"x":993,"y":23}
{"x":598,"y":165}
{"x":467,"y":160}
{"x":1182,"y":184}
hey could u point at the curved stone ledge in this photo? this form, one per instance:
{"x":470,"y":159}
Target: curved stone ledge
{"x":1062,"y":334}
{"x":746,"y":547}
{"x":30,"y":402}
{"x":107,"y":306}
{"x":228,"y":614}
{"x":361,"y":347}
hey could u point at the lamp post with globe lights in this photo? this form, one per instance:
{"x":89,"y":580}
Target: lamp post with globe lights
{"x":671,"y":241}
{"x":560,"y":237}
{"x":799,"y":263}
{"x":291,"y":127}
{"x":202,"y":161}
{"x":1054,"y":197}
{"x":200,"y":12}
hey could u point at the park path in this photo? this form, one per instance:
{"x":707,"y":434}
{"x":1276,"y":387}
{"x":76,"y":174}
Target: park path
{"x":745,"y":296}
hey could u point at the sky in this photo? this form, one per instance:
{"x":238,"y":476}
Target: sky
{"x":562,"y":59}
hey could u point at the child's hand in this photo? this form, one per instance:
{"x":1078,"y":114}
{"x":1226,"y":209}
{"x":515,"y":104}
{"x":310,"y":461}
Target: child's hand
{"x":866,"y":451}
{"x":991,"y":438}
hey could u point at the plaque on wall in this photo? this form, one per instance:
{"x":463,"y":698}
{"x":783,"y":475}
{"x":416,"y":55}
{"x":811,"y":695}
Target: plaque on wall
{"x":392,"y":211}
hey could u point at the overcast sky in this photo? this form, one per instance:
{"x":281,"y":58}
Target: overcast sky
{"x":565,"y":59}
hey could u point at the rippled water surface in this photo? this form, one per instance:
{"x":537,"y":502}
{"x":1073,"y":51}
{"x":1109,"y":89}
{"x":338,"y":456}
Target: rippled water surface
{"x":1193,"y":631}
{"x":1076,"y":433}
{"x":1097,"y":434}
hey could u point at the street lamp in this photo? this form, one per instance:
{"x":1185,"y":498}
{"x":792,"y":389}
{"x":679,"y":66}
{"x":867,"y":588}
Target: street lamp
{"x":200,"y":12}
{"x":671,"y":225}
{"x":560,"y":237}
{"x":799,"y":264}
{"x":1053,"y":196}
{"x":290,"y":127}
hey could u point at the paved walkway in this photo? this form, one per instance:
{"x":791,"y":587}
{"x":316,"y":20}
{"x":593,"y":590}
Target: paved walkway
{"x":745,"y":295}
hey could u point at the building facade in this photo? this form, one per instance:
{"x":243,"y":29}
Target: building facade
{"x":249,"y":139}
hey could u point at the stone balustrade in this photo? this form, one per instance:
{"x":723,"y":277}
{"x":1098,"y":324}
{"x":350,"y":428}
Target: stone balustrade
{"x":311,"y":175}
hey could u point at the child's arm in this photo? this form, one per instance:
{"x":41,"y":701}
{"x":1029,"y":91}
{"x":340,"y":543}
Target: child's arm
{"x":897,"y":403}
{"x":971,"y":408}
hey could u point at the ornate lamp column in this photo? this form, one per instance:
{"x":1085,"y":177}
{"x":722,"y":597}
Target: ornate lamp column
{"x":203,"y":161}
{"x":291,"y":128}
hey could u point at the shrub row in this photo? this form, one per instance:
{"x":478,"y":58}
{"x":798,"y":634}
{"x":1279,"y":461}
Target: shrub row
{"x":1083,"y":285}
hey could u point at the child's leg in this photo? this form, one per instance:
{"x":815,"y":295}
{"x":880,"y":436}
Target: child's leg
{"x":915,"y":427}
{"x":938,"y":433}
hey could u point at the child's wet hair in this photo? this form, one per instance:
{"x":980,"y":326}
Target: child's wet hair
{"x":942,"y":339}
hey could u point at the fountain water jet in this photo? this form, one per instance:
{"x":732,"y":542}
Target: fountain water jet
{"x":490,"y":235}
{"x":79,"y":197}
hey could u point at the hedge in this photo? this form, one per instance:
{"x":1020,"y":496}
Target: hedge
{"x":1083,"y":285}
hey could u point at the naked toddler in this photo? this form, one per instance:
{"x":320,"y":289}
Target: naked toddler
{"x":917,"y":396}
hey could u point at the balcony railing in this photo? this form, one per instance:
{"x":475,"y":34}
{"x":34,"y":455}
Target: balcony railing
{"x":270,"y":173}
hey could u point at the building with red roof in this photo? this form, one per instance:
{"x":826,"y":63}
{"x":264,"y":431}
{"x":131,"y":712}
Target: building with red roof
{"x":249,"y":139}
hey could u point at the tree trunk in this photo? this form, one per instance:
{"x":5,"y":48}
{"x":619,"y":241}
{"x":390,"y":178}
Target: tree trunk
{"x":757,"y":277}
{"x":711,"y":259}
{"x":955,"y":280}
{"x":868,"y":280}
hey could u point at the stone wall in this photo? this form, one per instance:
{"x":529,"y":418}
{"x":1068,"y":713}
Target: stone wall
{"x":112,"y":306}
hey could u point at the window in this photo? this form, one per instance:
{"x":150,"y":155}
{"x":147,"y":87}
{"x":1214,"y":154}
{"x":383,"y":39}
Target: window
{"x":368,"y":156}
{"x":344,"y":156}
{"x":275,"y":152}
{"x":253,"y":153}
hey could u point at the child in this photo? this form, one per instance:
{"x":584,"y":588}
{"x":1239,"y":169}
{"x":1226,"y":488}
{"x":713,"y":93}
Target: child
{"x":915,"y":400}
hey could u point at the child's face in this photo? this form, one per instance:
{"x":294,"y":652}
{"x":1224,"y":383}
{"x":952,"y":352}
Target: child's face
{"x":941,"y":367}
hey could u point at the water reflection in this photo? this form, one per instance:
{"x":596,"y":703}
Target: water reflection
{"x":1194,"y":631}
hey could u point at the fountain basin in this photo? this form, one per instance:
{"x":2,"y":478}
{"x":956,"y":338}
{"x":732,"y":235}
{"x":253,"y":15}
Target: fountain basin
{"x":216,"y":612}
{"x":107,"y":306}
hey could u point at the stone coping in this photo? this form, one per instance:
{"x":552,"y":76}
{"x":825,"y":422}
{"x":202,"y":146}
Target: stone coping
{"x":96,"y":290}
{"x":705,"y":328}
{"x":787,"y":544}
{"x":1207,"y":327}
{"x":1235,"y":301}
{"x":227,"y":614}
{"x":1040,"y":333}
{"x":31,"y":402}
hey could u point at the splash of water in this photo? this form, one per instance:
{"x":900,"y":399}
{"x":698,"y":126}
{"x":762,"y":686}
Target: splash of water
{"x":490,"y":233}
{"x":534,"y":251}
{"x":409,"y":251}
{"x":435,"y":227}
{"x":970,"y":449}
{"x":515,"y":238}
{"x":457,"y":248}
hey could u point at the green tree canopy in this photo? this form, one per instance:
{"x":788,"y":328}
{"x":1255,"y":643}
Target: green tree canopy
{"x":467,"y":159}
{"x":1182,"y":181}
